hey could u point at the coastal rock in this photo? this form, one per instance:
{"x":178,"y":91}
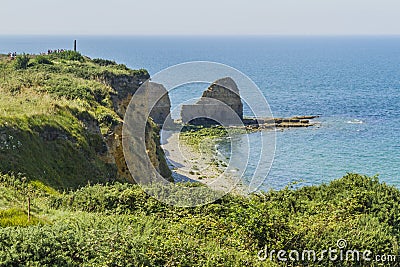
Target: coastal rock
{"x":221,"y":102}
{"x":159,"y":102}
{"x":263,"y":123}
{"x":67,"y":145}
{"x":226,"y":91}
{"x":125,"y":87}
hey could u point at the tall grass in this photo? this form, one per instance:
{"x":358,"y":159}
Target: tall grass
{"x":118,"y":225}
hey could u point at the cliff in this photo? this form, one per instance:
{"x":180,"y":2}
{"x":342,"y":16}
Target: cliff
{"x":61,"y":118}
{"x":125,"y":86}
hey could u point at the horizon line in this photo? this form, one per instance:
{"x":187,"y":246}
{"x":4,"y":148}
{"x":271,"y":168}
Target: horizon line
{"x":198,"y":35}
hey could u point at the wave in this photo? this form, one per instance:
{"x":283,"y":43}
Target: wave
{"x":355,"y":121}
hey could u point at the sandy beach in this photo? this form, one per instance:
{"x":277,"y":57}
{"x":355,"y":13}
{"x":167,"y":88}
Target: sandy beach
{"x":189,"y":164}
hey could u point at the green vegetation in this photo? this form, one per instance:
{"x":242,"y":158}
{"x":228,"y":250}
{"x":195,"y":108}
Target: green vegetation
{"x":106,"y":62}
{"x":50,"y":108}
{"x":205,"y":137}
{"x":119,"y":225}
{"x":43,"y":60}
{"x":200,"y":136}
{"x":21,"y":62}
{"x":70,"y":55}
{"x":16,"y":217}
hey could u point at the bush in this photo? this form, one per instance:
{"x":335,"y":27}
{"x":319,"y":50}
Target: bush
{"x":43,"y":60}
{"x":104,"y":62}
{"x":21,"y":62}
{"x":70,"y":89}
{"x":92,"y":240}
{"x":130,"y":226}
{"x":71,"y":55}
{"x":141,"y":72}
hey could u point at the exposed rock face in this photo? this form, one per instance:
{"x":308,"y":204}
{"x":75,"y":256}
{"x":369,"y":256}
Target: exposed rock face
{"x":226,"y":91}
{"x":125,"y":87}
{"x":293,"y":122}
{"x":158,"y":95}
{"x":220,"y":102}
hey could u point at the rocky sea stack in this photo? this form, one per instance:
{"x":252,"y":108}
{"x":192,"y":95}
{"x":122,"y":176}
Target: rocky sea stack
{"x":220,"y":103}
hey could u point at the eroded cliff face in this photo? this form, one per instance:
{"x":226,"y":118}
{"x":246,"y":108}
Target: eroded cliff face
{"x":159,"y":103}
{"x":125,"y":86}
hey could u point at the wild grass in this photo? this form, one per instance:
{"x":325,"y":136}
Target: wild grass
{"x":57,"y":97}
{"x":28,"y":104}
{"x":202,"y":138}
{"x":16,"y":217}
{"x":120,"y":225}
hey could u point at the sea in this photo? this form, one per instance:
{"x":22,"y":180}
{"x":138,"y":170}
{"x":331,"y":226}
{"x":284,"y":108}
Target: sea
{"x":352,"y":82}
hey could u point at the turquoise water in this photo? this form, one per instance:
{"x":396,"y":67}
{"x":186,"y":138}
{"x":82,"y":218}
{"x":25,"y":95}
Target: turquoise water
{"x":352,"y":82}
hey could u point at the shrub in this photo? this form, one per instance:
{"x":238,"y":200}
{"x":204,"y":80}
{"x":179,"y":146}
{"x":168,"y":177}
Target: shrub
{"x":71,"y":55}
{"x":141,"y":72}
{"x":104,"y":62}
{"x":21,"y":62}
{"x":43,"y":60}
{"x":106,"y":119}
{"x":228,"y":232}
{"x":70,"y":89}
{"x":122,"y":67}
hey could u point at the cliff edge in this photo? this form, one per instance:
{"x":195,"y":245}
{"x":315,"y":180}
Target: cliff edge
{"x":61,"y":119}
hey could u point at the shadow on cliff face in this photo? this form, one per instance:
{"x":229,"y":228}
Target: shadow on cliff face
{"x":125,"y":87}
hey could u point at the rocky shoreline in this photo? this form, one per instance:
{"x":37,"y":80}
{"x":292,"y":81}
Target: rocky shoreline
{"x":221,"y":103}
{"x":268,"y":123}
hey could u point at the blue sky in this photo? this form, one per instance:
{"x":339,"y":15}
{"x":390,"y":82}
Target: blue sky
{"x":201,"y":17}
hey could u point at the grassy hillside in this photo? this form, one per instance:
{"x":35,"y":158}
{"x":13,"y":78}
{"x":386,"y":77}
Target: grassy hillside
{"x":55,"y":114}
{"x":119,"y":225}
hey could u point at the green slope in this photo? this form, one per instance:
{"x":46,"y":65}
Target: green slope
{"x":55,"y":114}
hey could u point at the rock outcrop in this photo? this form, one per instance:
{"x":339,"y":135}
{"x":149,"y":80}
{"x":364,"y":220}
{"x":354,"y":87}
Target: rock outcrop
{"x":293,"y":122}
{"x":226,"y":91}
{"x":159,"y":102}
{"x":125,"y":87}
{"x":221,"y":102}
